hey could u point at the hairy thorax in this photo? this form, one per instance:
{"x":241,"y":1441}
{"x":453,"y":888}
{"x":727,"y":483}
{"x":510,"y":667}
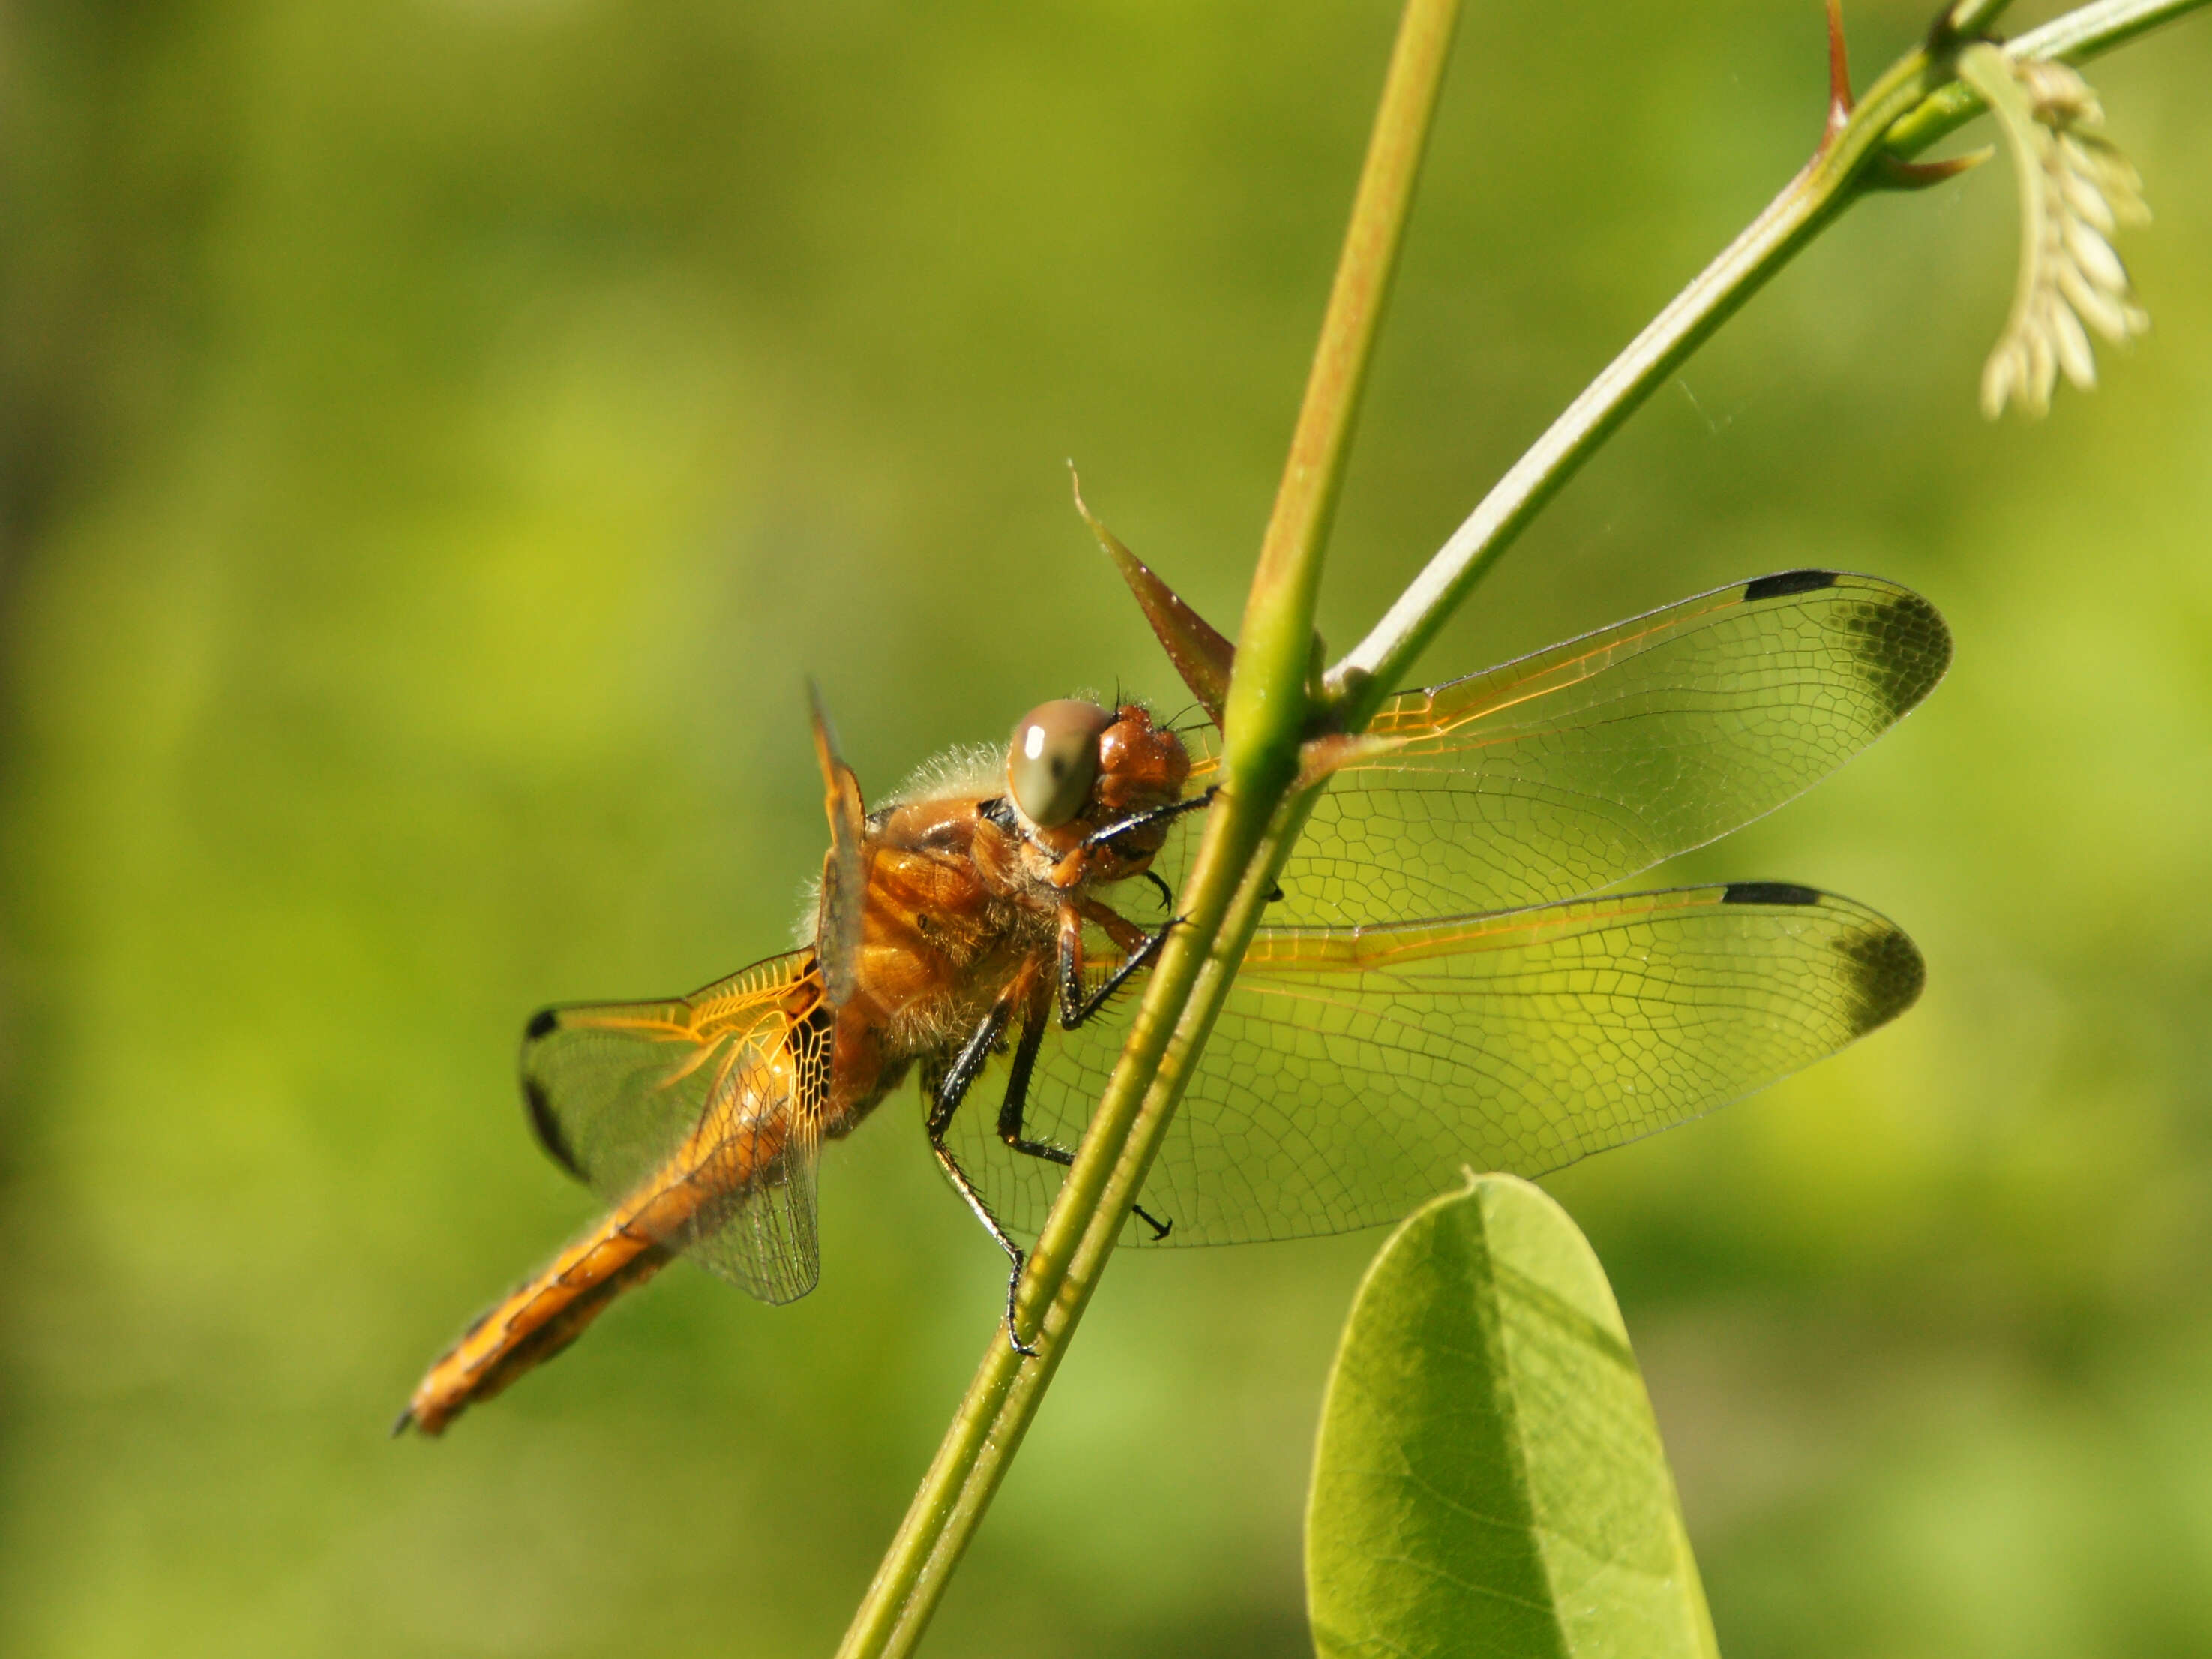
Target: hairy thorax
{"x":965,"y":893}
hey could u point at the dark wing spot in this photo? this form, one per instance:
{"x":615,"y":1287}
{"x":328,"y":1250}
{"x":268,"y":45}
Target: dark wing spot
{"x":540,"y":1023}
{"x":1902,"y":646}
{"x":547,"y":1128}
{"x":1768,"y":893}
{"x":813,"y":1044}
{"x":1885,"y":972}
{"x":1789,"y":582}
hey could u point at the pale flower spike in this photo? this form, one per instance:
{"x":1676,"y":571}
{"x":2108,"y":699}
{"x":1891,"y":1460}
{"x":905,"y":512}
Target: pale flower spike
{"x":2076,"y":189}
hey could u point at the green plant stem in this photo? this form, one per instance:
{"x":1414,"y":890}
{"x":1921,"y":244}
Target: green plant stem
{"x":1266,"y":720}
{"x":1915,"y":103}
{"x":2074,"y":37}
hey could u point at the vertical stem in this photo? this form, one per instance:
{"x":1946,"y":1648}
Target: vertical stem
{"x":1265,"y":724}
{"x":1274,"y":646}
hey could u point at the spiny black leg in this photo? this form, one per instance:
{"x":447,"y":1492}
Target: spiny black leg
{"x":1146,"y":820}
{"x":967,"y":1066}
{"x":1075,"y":1006}
{"x":1017,"y":1101}
{"x":1017,"y":1095}
{"x":973,"y":1055}
{"x":1027,"y":1350}
{"x":1166,"y":892}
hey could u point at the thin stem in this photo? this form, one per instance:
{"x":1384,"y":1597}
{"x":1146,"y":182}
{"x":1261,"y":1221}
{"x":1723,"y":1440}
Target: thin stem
{"x":2074,"y":37}
{"x":1915,"y":103}
{"x":2083,"y":34}
{"x":1265,"y":722}
{"x":1274,"y":646}
{"x":1374,"y":667}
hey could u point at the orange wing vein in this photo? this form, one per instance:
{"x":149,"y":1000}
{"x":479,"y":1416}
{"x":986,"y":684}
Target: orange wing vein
{"x":699,"y":1119}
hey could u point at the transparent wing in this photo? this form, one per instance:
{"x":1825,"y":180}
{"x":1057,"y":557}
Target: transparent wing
{"x":1354,"y":1073}
{"x":697,"y":1117}
{"x":837,"y":925}
{"x":1563,"y":772}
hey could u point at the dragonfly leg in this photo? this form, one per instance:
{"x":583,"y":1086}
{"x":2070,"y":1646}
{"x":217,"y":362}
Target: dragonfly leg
{"x":1017,"y":1101}
{"x":1167,"y":893}
{"x":1075,"y":1007}
{"x":1146,"y":820}
{"x":967,"y":1066}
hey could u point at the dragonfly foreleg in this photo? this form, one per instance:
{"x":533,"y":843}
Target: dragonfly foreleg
{"x":1166,"y":814}
{"x":967,"y":1066}
{"x":1075,"y":1006}
{"x":1018,"y":1090}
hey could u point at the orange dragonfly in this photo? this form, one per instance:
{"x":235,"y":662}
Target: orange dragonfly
{"x":1445,"y":981}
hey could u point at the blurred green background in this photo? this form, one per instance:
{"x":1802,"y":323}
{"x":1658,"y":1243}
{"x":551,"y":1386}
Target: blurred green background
{"x":438,"y":438}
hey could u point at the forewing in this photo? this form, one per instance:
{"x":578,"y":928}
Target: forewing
{"x":1563,"y":772}
{"x":837,"y":925}
{"x":697,"y":1117}
{"x":1355,"y":1073}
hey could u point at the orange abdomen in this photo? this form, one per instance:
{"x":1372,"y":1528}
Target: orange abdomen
{"x":716,"y":1161}
{"x":534,"y":1323}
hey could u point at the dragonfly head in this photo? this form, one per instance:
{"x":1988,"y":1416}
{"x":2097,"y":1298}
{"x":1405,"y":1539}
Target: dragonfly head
{"x":1074,"y":767}
{"x":1053,"y":763}
{"x":1141,"y":767}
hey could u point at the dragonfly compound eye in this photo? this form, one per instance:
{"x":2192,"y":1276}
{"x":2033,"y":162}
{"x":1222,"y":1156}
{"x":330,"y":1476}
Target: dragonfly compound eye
{"x":1054,"y":760}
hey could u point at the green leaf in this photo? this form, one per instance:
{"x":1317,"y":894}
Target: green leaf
{"x":1489,"y":1477}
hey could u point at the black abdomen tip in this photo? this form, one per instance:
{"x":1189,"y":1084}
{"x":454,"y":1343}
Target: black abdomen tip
{"x":1790,"y":581}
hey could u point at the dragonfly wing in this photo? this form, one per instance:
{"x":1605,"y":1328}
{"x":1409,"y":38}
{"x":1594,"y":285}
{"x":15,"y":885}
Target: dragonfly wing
{"x":698,"y":1117}
{"x":1561,"y":773}
{"x":1356,"y":1072}
{"x":837,"y":927}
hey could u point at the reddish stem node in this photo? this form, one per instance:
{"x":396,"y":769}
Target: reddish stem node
{"x":1840,"y":77}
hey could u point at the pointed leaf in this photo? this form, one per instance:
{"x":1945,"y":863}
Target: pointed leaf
{"x":1198,"y":650}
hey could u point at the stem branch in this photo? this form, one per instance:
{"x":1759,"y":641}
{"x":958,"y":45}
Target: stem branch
{"x":1915,"y":102}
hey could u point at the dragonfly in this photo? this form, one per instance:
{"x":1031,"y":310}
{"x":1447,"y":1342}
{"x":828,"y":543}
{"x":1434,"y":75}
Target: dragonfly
{"x":1450,"y":977}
